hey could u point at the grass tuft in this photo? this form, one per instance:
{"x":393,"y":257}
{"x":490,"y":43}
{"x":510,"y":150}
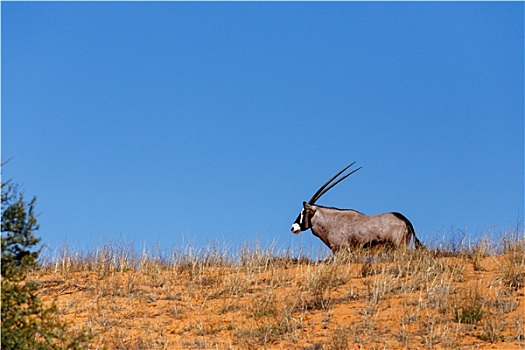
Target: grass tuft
{"x":450,"y":295}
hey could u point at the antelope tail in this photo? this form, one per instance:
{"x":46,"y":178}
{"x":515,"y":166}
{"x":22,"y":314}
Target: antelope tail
{"x":417,"y":242}
{"x":411,"y":231}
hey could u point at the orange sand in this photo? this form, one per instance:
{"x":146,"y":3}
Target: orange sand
{"x":402,"y":302}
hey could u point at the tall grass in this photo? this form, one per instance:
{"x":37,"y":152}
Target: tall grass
{"x":450,"y":295}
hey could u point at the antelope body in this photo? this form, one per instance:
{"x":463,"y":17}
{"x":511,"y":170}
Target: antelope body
{"x":346,"y":228}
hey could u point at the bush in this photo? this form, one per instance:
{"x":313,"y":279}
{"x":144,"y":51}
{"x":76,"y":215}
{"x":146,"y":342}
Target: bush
{"x":26,"y":322}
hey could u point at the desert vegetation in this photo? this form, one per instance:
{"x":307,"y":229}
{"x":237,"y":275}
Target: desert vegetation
{"x":449,"y":295}
{"x":454,"y":295}
{"x":26,"y":322}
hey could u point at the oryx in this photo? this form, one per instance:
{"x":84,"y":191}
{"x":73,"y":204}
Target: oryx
{"x":346,"y":228}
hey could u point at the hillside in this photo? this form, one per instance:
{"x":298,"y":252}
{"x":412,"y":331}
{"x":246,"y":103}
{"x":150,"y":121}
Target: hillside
{"x":460,"y":298}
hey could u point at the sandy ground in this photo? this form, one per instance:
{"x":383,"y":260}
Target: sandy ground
{"x":401,"y":301}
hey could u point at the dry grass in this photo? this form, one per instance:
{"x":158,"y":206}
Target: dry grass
{"x":452,"y":297}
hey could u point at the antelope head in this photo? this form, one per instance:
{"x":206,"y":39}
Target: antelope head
{"x":302,"y":223}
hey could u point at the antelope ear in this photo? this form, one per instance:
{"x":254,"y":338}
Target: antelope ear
{"x":309,"y":208}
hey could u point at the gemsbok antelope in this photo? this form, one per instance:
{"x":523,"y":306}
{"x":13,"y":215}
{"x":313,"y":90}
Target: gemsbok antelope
{"x":346,"y":228}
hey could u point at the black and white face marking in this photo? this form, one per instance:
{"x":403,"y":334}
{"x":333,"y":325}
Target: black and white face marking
{"x":299,"y":223}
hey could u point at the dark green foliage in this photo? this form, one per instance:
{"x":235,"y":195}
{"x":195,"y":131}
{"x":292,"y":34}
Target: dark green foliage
{"x":18,"y":239}
{"x":469,"y":315}
{"x":26,"y":322}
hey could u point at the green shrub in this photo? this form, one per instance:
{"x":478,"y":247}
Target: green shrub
{"x":26,"y":322}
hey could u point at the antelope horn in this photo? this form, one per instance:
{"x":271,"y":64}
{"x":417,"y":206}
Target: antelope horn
{"x":328,"y":184}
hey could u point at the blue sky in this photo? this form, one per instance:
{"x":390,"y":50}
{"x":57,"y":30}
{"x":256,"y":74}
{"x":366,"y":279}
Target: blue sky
{"x":170,"y":123}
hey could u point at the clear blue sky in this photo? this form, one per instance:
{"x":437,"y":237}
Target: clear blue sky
{"x":163,"y":123}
